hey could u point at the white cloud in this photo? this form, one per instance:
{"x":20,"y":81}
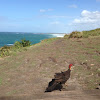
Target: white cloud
{"x":55,"y":23}
{"x":45,"y":10}
{"x":50,"y":10}
{"x":87,"y":21}
{"x":59,"y":16}
{"x":55,"y":16}
{"x":88,"y":17}
{"x":42,"y":10}
{"x":72,"y":6}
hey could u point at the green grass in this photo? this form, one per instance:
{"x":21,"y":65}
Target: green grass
{"x":96,"y":57}
{"x":49,"y":40}
{"x":95,"y":32}
{"x":17,"y":47}
{"x":1,"y":81}
{"x":11,"y":92}
{"x":83,"y":34}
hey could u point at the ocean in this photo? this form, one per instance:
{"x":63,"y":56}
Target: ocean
{"x":9,"y":38}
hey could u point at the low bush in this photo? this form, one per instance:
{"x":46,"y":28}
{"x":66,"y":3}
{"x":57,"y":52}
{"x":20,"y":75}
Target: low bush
{"x":66,"y":36}
{"x":76,"y":34}
{"x":17,"y":44}
{"x":95,"y":32}
{"x":22,"y":43}
{"x":5,"y":51}
{"x":25,"y":43}
{"x":83,"y":34}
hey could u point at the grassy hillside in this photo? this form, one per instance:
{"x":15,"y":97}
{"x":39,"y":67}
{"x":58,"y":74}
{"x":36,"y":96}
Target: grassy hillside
{"x":83,"y":34}
{"x":29,"y":71}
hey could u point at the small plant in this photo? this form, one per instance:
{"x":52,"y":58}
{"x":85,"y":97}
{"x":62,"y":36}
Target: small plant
{"x":25,"y":43}
{"x":76,"y":34}
{"x":95,"y":32}
{"x":22,"y":43}
{"x":83,"y":34}
{"x":0,"y":81}
{"x":18,"y":45}
{"x":66,"y":36}
{"x":5,"y":51}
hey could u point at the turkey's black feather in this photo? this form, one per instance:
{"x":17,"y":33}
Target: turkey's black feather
{"x":59,"y":79}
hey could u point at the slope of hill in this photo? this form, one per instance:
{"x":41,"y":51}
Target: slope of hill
{"x":26,"y":74}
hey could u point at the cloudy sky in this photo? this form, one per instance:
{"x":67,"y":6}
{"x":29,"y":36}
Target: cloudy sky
{"x":49,"y":16}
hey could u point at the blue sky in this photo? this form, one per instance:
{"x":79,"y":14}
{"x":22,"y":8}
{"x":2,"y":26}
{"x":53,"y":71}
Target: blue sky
{"x":49,"y":16}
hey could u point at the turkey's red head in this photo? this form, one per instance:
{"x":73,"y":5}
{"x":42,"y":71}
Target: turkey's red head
{"x":70,"y":66}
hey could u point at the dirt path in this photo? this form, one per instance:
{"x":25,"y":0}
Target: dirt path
{"x":74,"y":91}
{"x":63,"y":95}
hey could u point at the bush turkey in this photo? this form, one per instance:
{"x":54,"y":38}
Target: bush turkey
{"x":58,"y":80}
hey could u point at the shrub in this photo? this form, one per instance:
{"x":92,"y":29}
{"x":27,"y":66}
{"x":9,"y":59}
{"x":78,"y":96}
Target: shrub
{"x":95,"y":32}
{"x":22,"y":43}
{"x":25,"y":43}
{"x":83,"y":34}
{"x":5,"y":51}
{"x":17,"y":44}
{"x":76,"y":34}
{"x":66,"y":36}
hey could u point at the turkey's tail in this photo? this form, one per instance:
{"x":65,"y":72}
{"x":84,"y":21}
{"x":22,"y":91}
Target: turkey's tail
{"x":53,"y":85}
